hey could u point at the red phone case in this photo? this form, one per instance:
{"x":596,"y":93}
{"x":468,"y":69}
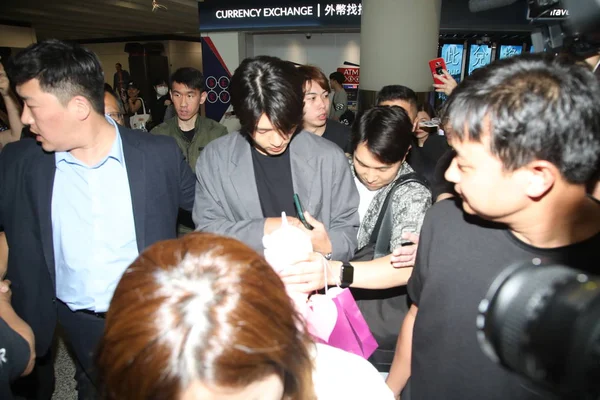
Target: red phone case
{"x":436,"y":65}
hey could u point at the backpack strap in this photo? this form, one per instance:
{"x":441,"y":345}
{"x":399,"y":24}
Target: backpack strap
{"x":382,"y":232}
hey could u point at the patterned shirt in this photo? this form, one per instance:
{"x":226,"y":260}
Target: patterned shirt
{"x":409,"y":205}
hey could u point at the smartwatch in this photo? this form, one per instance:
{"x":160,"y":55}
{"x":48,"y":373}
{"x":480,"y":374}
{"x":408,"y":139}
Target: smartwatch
{"x":346,"y":275}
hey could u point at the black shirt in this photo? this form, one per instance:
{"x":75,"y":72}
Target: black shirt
{"x":158,"y":110}
{"x":424,"y":159}
{"x":458,"y":259}
{"x":189,"y":135}
{"x":339,"y":134}
{"x":440,"y":184}
{"x":273,"y":176}
{"x":14,"y":357}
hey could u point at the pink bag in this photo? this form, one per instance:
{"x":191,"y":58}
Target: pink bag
{"x":334,"y":319}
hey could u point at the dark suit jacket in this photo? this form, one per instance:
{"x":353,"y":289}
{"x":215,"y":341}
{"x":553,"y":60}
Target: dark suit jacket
{"x":160,"y":180}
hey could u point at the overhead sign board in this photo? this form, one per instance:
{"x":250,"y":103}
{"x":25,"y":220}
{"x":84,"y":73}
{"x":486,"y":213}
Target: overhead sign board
{"x":252,"y":15}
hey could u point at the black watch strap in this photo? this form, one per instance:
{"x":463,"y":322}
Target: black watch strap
{"x":346,"y":275}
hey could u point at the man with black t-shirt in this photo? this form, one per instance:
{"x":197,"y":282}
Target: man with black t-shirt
{"x":191,"y":131}
{"x":246,"y":179}
{"x":316,"y":109}
{"x":527,"y":138}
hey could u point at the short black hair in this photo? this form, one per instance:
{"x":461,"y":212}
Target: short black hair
{"x":108,"y":89}
{"x":533,"y":106}
{"x":428,"y":108}
{"x":396,"y":92}
{"x":188,"y":76}
{"x":338,"y":77}
{"x":159,"y":81}
{"x":386,"y":131}
{"x":268,"y":85}
{"x":63,"y":69}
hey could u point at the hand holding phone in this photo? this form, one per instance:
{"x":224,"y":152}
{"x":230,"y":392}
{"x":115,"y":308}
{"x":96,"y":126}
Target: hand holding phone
{"x":300,"y":212}
{"x":436,"y":66}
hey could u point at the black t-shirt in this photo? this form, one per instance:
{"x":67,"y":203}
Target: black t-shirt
{"x":339,"y":134}
{"x":14,"y":356}
{"x":459,"y":257}
{"x":189,"y":135}
{"x":273,"y":176}
{"x":424,"y":159}
{"x":440,"y":184}
{"x":158,"y":109}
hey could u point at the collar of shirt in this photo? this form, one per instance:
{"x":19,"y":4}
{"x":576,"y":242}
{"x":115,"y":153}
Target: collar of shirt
{"x":116,"y":152}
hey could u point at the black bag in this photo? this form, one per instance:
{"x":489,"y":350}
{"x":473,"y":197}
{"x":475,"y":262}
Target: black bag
{"x":383,"y":310}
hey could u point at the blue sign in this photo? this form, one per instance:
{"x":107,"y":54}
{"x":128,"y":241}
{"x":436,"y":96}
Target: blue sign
{"x":507,"y":51}
{"x":453,"y":56}
{"x":479,"y":56}
{"x":218,"y":15}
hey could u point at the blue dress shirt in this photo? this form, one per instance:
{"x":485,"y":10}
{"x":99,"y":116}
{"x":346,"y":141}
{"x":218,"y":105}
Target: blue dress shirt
{"x":92,"y":227}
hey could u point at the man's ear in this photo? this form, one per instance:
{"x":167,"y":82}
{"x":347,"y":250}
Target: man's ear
{"x":541,"y":177}
{"x":203,"y":97}
{"x":80,"y":107}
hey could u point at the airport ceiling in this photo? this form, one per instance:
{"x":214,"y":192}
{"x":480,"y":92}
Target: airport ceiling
{"x":102,"y":19}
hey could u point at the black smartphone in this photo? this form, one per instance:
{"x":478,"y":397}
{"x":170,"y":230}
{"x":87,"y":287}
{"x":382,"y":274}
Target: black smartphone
{"x":300,"y":212}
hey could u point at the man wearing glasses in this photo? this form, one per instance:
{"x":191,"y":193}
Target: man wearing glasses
{"x":113,"y":108}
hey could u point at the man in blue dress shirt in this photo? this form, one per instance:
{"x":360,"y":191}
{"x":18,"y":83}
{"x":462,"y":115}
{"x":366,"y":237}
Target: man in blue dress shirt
{"x":80,"y":209}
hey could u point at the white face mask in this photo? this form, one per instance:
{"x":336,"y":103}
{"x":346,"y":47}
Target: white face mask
{"x":162,"y":90}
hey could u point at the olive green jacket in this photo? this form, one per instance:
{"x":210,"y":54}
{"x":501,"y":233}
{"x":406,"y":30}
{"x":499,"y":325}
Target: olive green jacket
{"x":206,"y":131}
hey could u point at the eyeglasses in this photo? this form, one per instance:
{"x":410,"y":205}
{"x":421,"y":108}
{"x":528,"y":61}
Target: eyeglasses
{"x":114,"y":115}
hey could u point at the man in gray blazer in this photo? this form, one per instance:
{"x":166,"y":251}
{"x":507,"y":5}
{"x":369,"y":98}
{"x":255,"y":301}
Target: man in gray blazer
{"x":247,"y":178}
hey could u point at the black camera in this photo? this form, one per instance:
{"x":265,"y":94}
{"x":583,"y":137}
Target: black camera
{"x":571,"y":25}
{"x":543,"y":322}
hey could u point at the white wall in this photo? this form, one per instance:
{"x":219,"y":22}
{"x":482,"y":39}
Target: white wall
{"x":184,"y":54}
{"x":231,"y":47}
{"x":109,"y":54}
{"x":325,"y":50}
{"x":179,"y":53}
{"x":16,"y":36}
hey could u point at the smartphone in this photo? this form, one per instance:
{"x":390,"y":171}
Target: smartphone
{"x":300,"y":212}
{"x":436,"y":66}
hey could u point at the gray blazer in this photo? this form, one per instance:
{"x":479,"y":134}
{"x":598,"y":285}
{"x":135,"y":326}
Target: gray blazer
{"x":227,"y":199}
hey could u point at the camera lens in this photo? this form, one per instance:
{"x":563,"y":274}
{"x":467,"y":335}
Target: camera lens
{"x":543,"y":322}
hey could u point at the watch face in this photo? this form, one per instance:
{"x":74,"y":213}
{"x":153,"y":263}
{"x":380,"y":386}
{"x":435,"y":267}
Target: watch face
{"x":347,"y":275}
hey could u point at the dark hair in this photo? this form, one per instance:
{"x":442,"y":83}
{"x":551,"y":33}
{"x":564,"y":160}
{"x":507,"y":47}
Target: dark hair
{"x":426,"y":107}
{"x":159,"y":81}
{"x":188,"y":76}
{"x":202,"y":307}
{"x":386,"y":131}
{"x":63,"y":69}
{"x":314,"y":74}
{"x":268,"y":85}
{"x":108,"y":89}
{"x":338,"y":77}
{"x":119,"y":64}
{"x":534,"y":106}
{"x":396,"y":92}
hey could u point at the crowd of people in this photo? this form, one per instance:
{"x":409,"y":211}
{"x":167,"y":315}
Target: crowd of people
{"x":97,"y":223}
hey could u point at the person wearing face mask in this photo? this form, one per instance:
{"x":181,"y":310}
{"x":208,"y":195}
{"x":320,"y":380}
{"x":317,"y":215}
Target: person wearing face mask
{"x":160,"y":104}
